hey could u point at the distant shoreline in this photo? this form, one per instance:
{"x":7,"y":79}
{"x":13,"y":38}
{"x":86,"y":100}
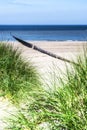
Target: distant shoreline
{"x":64,"y":41}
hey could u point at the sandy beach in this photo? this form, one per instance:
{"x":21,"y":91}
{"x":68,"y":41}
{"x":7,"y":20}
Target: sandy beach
{"x":65,"y":49}
{"x":45,"y":64}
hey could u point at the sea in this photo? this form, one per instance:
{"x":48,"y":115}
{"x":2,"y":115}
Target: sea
{"x":44,"y":32}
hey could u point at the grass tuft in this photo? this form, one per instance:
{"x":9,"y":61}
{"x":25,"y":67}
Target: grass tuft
{"x":66,"y":107}
{"x":62,"y":109}
{"x":17,"y":77}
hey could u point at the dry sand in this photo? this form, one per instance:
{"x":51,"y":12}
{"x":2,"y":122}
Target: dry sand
{"x":46,"y":64}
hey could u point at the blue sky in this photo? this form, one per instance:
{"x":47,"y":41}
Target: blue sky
{"x":43,"y":11}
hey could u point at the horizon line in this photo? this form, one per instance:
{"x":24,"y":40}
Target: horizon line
{"x":43,"y":24}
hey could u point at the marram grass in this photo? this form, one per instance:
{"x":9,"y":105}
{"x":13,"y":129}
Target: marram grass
{"x":63,"y":109}
{"x":17,"y":77}
{"x":66,"y":107}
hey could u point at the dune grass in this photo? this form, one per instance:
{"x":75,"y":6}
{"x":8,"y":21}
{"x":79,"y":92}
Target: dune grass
{"x":62,"y":109}
{"x":66,"y":107}
{"x":17,"y":77}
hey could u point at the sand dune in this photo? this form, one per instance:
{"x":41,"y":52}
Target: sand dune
{"x":45,"y":64}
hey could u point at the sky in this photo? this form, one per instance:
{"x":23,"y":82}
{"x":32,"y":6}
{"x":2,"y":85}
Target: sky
{"x":43,"y":12}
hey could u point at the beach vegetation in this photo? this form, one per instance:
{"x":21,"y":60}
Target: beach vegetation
{"x":17,"y":76}
{"x":64,"y":108}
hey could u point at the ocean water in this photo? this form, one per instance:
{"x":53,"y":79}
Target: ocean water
{"x":44,"y":32}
